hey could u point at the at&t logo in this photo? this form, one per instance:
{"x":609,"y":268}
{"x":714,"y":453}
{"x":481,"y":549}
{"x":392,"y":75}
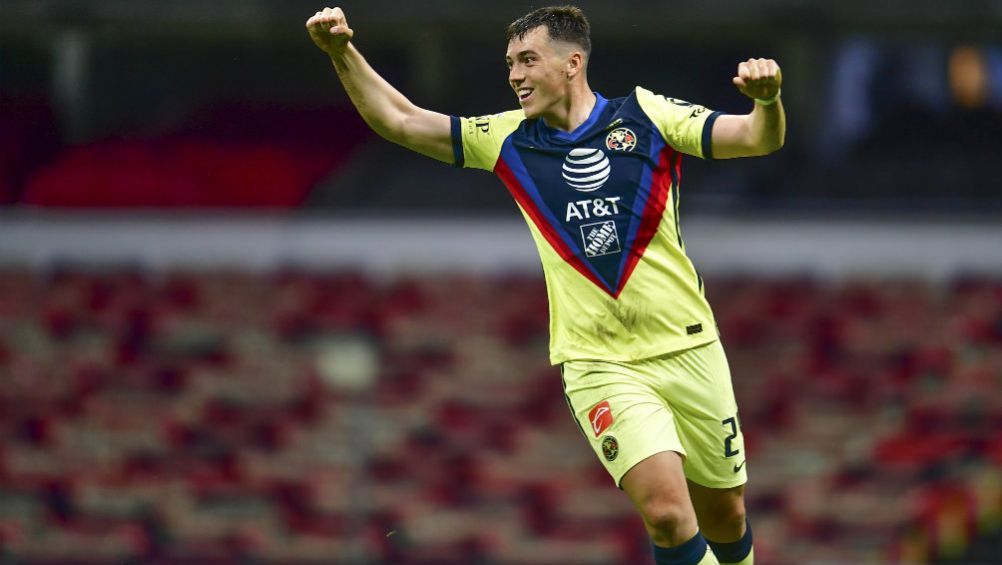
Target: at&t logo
{"x":586,"y":169}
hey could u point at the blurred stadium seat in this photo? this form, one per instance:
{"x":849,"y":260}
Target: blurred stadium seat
{"x":240,"y":158}
{"x":160,"y":418}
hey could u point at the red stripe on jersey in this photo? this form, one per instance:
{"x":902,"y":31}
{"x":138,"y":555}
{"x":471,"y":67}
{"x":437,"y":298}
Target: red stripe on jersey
{"x":549,"y":232}
{"x":654,"y":209}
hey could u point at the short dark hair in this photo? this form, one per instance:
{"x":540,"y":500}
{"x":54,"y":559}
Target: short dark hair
{"x":564,"y":23}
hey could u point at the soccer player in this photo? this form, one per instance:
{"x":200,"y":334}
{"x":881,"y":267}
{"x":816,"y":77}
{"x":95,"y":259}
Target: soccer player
{"x":597,"y":181}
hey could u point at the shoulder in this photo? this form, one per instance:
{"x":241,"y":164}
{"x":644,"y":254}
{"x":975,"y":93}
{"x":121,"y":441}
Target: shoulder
{"x":512,"y":115}
{"x":505,"y":122}
{"x":644,"y":96}
{"x":650,"y":100}
{"x":477,"y":141}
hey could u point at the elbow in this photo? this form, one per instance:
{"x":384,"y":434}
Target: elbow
{"x":773,"y":145}
{"x":389,"y":124}
{"x":380,"y":126}
{"x":384,"y":132}
{"x":405,"y":127}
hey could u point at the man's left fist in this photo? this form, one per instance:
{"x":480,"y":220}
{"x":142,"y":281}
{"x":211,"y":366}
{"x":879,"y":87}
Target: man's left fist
{"x":759,"y":78}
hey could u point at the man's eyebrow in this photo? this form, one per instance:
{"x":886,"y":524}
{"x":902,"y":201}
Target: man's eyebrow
{"x":521,"y":54}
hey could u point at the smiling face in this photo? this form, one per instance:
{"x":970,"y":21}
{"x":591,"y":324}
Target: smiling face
{"x":541,"y":71}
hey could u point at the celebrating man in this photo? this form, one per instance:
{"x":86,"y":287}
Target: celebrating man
{"x":597,"y":180}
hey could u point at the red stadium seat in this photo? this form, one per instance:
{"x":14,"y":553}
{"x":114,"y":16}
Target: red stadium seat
{"x":133,"y":386}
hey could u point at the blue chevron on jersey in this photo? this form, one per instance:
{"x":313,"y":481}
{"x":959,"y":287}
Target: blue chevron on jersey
{"x":597,"y":193}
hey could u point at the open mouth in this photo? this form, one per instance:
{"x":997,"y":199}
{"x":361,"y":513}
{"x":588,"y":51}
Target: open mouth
{"x":524,"y":93}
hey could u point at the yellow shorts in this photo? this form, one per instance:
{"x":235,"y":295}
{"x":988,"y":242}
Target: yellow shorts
{"x":680,"y":402}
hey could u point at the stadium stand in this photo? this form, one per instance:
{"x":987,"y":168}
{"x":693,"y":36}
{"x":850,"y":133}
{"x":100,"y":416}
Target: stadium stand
{"x":29,"y":136}
{"x":241,"y":156}
{"x":295,"y":417}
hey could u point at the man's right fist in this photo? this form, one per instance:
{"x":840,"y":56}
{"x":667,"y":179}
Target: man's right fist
{"x":329,"y":30}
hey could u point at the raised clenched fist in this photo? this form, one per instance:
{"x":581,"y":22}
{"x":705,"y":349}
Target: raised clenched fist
{"x":759,"y":78}
{"x":329,"y":30}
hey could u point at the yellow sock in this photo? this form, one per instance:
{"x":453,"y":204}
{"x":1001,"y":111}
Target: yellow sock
{"x":709,"y":558}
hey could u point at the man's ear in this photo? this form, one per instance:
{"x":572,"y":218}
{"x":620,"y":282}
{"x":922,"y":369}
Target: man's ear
{"x":575,"y":64}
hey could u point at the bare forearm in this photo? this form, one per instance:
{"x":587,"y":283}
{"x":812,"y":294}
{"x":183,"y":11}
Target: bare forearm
{"x":767,"y":127}
{"x":757,"y":133}
{"x":381,"y":105}
{"x":388,"y":112}
{"x":761,"y":131}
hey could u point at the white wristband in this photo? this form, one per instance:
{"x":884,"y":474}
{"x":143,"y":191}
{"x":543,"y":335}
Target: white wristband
{"x":769,"y":101}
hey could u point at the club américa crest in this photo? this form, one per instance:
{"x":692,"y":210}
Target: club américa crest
{"x":621,"y":139}
{"x":610,"y":448}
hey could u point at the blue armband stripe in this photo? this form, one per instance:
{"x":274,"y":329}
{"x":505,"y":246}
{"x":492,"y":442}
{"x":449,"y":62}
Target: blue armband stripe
{"x":457,"y":142}
{"x":708,"y":135}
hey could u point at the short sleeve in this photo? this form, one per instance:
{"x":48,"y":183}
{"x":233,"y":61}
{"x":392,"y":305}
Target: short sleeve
{"x":685,"y":126}
{"x":476,"y":142}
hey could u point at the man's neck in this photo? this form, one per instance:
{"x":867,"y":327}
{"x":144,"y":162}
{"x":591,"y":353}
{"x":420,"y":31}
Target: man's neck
{"x":574,"y":112}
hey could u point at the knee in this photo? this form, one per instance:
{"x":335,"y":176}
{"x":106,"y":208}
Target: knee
{"x":726,"y":520}
{"x":731,"y":518}
{"x":670,"y":522}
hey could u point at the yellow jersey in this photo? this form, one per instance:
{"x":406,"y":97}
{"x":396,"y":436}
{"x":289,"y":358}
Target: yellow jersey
{"x":602,"y":205}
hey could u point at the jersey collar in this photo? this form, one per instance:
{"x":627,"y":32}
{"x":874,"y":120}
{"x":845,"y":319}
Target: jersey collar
{"x":576,"y":134}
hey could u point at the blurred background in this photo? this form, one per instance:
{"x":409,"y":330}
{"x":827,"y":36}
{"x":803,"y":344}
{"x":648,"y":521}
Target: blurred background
{"x":237,"y":327}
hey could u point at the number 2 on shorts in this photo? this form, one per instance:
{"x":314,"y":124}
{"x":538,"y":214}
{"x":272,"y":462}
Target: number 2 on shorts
{"x":732,"y":422}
